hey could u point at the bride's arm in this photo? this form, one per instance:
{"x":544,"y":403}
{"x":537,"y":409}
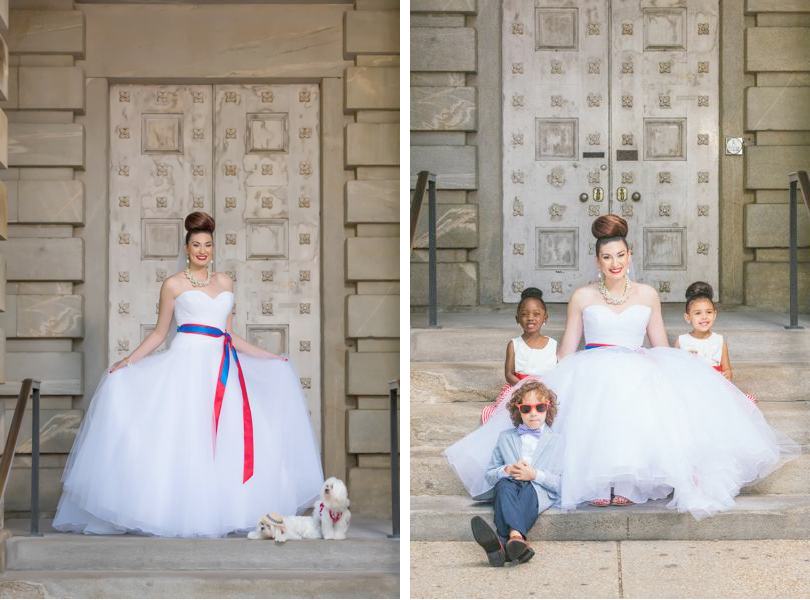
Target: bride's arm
{"x":656,"y":330}
{"x":158,"y":334}
{"x":573,"y":327}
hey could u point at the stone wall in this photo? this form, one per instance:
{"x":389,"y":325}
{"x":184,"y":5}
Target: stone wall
{"x":456,"y":132}
{"x":445,"y":117}
{"x":4,"y":95}
{"x":777,"y":120}
{"x":63,"y":59}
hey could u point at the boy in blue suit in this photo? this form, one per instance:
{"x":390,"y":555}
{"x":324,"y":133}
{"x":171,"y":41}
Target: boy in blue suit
{"x":524,"y":474}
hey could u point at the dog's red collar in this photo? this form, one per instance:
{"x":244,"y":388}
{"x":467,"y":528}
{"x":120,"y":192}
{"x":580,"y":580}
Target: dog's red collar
{"x":332,"y":514}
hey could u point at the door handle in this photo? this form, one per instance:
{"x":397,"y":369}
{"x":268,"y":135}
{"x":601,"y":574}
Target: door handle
{"x":583,"y":197}
{"x":636,"y":197}
{"x":598,"y":194}
{"x":621,"y":194}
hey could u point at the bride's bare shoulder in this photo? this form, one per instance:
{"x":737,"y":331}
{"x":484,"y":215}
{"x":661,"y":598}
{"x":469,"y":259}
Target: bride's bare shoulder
{"x":582,"y":296}
{"x":645,"y":291}
{"x":173,"y":283}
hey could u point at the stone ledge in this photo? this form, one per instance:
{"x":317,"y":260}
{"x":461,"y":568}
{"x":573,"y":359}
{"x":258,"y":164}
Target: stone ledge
{"x":47,"y":32}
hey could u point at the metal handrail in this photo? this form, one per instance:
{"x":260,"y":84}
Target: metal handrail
{"x":393,"y":392}
{"x":426,"y":179}
{"x":798,"y":179}
{"x":28,"y":386}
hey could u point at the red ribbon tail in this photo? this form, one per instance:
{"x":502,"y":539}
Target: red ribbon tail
{"x":247,"y":423}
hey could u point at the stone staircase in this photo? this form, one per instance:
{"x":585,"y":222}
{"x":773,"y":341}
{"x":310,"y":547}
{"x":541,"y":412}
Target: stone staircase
{"x":457,"y":369}
{"x":77,"y":566}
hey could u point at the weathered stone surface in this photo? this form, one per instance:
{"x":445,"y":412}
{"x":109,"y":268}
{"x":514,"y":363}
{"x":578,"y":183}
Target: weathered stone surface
{"x":51,"y":88}
{"x":443,"y":109}
{"x":789,"y":6}
{"x":777,"y":49}
{"x":438,"y":79}
{"x":372,"y":258}
{"x":47,"y":32}
{"x":372,"y":32}
{"x":37,"y":259}
{"x":765,"y":79}
{"x":372,"y":144}
{"x":438,"y":138}
{"x":456,"y":226}
{"x":239,"y":41}
{"x":443,"y":49}
{"x":437,"y":20}
{"x":57,"y":430}
{"x":60,"y":372}
{"x":4,"y":15}
{"x":442,"y":255}
{"x":370,"y":372}
{"x":767,"y":226}
{"x":373,"y":316}
{"x":438,"y":6}
{"x":768,"y":166}
{"x":5,"y":140}
{"x":49,"y":316}
{"x":4,"y":211}
{"x":4,"y":69}
{"x":372,"y":88}
{"x":369,"y":431}
{"x":778,"y":108}
{"x":50,"y":201}
{"x":767,"y":285}
{"x":46,"y":144}
{"x":2,"y":284}
{"x":375,"y":201}
{"x":457,"y":283}
{"x":12,"y":93}
{"x":18,"y":493}
{"x":370,"y":491}
{"x":783,"y":138}
{"x":455,"y":166}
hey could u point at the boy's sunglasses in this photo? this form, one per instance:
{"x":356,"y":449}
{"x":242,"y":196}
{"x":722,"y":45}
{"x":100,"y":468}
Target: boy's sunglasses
{"x":540,"y":407}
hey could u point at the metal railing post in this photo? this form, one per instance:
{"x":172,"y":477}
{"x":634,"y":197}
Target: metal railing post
{"x":393,"y":391}
{"x":432,"y":285}
{"x":35,"y":462}
{"x":793,"y":225}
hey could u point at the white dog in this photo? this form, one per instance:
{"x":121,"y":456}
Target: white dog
{"x":329,"y":520}
{"x":333,"y":509}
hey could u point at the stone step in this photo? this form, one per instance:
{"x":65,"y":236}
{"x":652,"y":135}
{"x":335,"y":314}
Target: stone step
{"x":434,"y":382}
{"x":447,"y":518}
{"x":431,"y":475}
{"x":68,"y":552}
{"x":755,"y":345}
{"x":198,"y":584}
{"x":439,"y":425}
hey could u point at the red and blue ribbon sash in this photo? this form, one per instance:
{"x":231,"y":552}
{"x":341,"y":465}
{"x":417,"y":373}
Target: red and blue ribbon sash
{"x":592,"y":346}
{"x":222,"y":380}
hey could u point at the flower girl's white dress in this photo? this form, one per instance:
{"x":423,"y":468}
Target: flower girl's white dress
{"x":151,"y":456}
{"x":648,"y":422}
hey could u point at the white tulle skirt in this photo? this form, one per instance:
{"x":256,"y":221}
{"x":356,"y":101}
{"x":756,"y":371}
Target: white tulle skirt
{"x":648,"y":423}
{"x":144,"y":458}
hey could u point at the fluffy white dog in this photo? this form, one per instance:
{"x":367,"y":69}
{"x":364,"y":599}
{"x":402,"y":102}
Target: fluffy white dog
{"x":333,"y":509}
{"x":329,"y":520}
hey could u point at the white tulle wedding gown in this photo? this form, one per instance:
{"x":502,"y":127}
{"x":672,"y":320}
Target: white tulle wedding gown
{"x":146,"y":458}
{"x":647,"y":422}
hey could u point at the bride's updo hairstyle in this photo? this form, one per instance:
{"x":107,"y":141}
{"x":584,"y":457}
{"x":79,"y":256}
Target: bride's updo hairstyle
{"x":531,"y":293}
{"x":698,"y":290}
{"x":199,"y":222}
{"x":609,"y":228}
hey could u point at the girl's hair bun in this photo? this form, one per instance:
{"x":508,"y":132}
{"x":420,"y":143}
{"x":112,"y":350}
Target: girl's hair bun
{"x":531,"y":292}
{"x":609,"y":226}
{"x":699,"y":289}
{"x":200,"y":221}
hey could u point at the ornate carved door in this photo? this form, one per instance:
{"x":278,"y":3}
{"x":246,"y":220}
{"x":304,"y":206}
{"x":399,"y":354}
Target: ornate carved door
{"x":247,"y":154}
{"x":609,"y":106}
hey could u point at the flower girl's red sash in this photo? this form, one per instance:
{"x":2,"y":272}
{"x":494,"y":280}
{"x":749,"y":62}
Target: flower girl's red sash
{"x":247,"y":418}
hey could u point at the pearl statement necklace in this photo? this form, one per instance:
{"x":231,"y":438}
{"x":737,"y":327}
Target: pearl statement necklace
{"x":196,"y":283}
{"x":612,"y":299}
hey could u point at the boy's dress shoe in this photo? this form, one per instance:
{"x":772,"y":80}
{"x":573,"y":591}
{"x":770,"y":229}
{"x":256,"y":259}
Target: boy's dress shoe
{"x":519,"y":551}
{"x":488,"y":540}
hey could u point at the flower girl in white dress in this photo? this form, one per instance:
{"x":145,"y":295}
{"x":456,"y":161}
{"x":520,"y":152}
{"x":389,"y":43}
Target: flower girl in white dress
{"x":199,"y":440}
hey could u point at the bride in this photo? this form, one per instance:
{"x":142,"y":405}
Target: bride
{"x":638,"y":424}
{"x":199,"y":440}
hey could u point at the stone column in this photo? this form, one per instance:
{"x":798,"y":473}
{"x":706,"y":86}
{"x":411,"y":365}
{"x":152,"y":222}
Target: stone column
{"x":371,"y":246}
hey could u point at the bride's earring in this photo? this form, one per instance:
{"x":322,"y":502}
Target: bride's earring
{"x":187,"y":262}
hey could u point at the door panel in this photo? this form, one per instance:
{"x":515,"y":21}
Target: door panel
{"x":609,"y":106}
{"x":248,"y":155}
